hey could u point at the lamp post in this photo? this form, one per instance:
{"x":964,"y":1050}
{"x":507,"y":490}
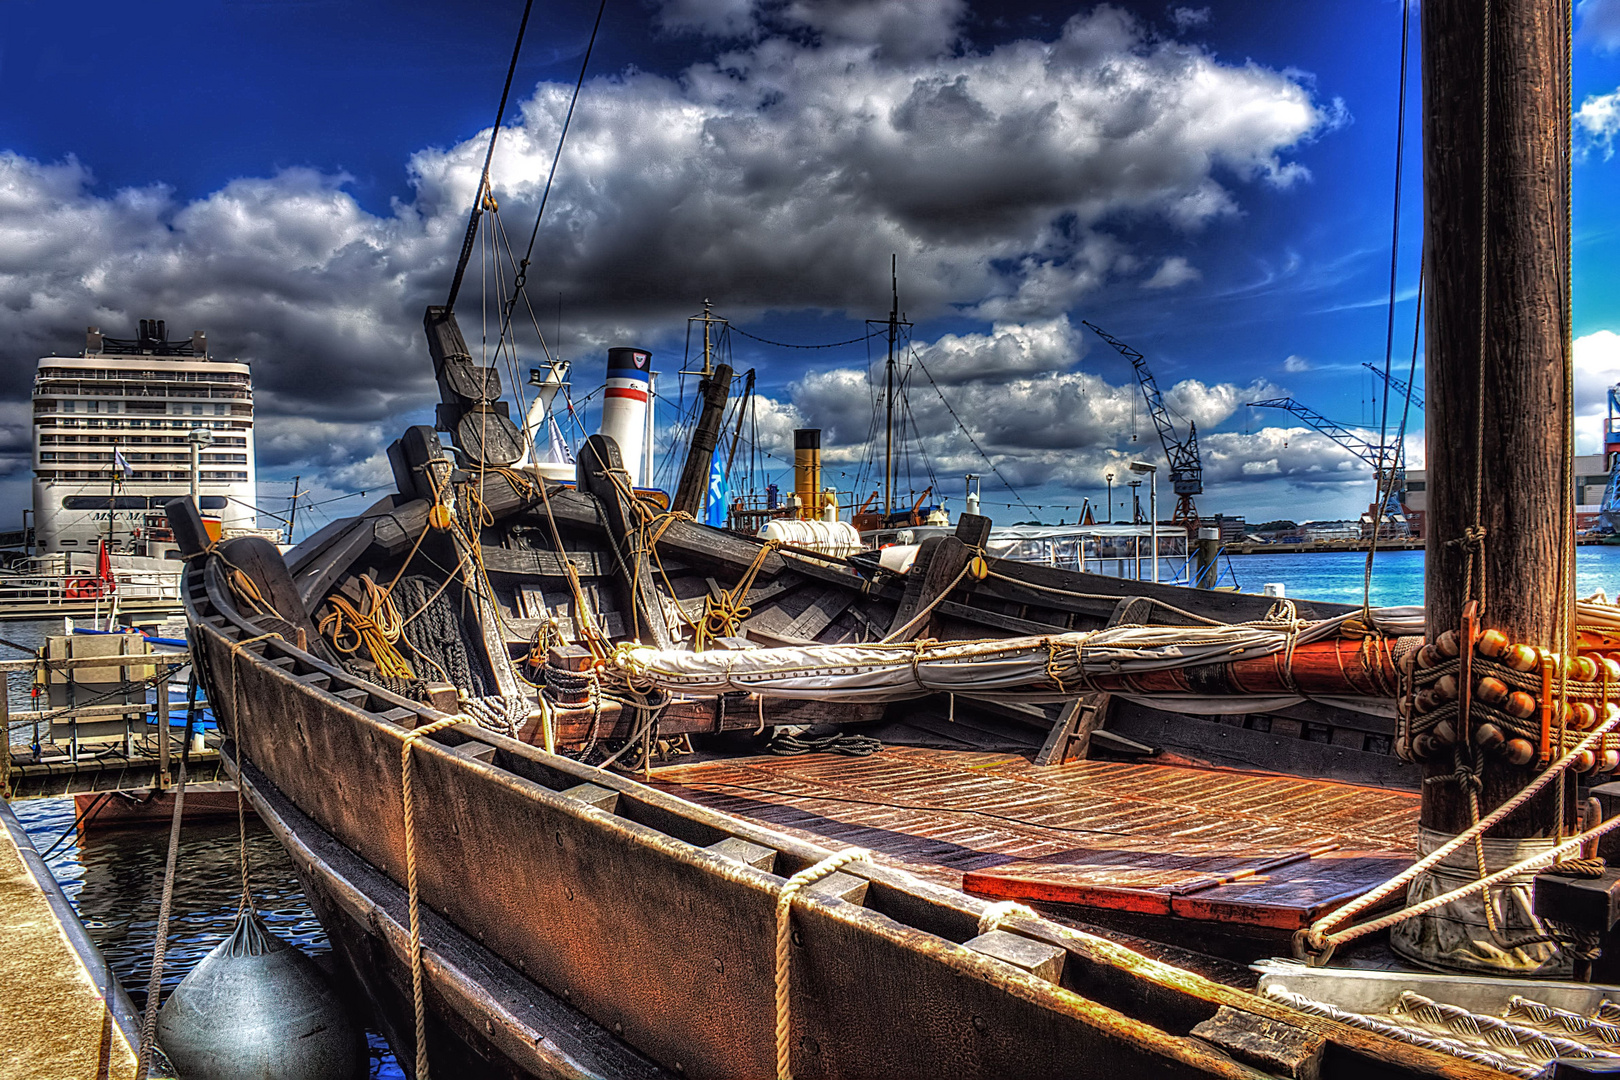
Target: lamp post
{"x":198,"y":438}
{"x":1153,"y":507}
{"x":1136,"y":519}
{"x":1109,"y":476}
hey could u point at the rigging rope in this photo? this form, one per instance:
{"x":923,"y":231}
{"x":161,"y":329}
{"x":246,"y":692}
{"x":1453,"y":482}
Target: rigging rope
{"x":969,"y":434}
{"x":790,"y":345}
{"x":545,"y":195}
{"x":483,"y":179}
{"x":1384,"y":485}
{"x":160,"y":943}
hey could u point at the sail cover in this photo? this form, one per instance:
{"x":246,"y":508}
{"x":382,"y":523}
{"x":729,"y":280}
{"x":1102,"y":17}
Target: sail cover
{"x":1052,"y":667}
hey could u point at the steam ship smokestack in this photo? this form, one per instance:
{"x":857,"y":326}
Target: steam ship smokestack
{"x":807,"y":471}
{"x":624,"y":405}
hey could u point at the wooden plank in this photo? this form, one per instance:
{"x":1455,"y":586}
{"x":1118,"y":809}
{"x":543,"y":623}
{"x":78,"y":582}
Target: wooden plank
{"x":939,"y":560}
{"x":822,"y":611}
{"x":317,"y":577}
{"x":170,"y":660}
{"x":535,"y":562}
{"x":1274,"y":897}
{"x":1201,"y":740}
{"x":1276,"y":1048}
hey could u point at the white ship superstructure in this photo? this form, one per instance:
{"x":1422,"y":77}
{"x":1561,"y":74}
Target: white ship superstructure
{"x":140,"y":398}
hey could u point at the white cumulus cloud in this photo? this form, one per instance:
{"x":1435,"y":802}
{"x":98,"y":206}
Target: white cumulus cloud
{"x":779,"y":174}
{"x":1174,"y":271}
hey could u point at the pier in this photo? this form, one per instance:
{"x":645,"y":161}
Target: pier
{"x":110,"y":746}
{"x":54,"y":985}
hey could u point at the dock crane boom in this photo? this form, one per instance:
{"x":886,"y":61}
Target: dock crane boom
{"x":1186,"y":467}
{"x":1396,"y":386}
{"x":1385,"y":460}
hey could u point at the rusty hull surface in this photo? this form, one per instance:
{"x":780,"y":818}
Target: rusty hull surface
{"x":619,"y":910}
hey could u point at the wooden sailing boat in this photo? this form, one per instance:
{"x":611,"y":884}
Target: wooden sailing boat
{"x":510,"y":909}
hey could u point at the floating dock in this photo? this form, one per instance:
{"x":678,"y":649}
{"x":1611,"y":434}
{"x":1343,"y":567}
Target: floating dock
{"x":62,"y":1013}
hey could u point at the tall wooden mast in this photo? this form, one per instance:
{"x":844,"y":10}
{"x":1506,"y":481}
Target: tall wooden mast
{"x":1496,"y":227}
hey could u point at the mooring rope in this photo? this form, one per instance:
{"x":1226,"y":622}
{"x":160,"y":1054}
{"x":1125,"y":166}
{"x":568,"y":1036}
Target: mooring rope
{"x":154,"y":982}
{"x":420,"y":1071}
{"x":784,"y":941}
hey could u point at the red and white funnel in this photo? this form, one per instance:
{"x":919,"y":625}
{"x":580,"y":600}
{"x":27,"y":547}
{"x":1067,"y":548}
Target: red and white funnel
{"x":624,"y":405}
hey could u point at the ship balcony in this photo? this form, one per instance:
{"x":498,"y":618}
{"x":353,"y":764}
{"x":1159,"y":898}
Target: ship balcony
{"x":141,"y":390}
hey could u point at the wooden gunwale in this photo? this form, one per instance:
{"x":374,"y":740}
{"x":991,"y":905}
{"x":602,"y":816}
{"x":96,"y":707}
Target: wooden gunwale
{"x":939,"y":918}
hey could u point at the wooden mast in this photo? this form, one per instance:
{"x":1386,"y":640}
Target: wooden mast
{"x":1497,"y":463}
{"x":1517,"y":454}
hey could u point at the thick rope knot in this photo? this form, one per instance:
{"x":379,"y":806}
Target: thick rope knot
{"x":1472,"y":540}
{"x":723,"y":614}
{"x":1002,"y":910}
{"x":784,"y":941}
{"x":420,"y":1070}
{"x":1578,"y":868}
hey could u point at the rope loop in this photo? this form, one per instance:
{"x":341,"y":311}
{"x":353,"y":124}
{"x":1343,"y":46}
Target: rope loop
{"x":784,"y":940}
{"x":420,"y":1071}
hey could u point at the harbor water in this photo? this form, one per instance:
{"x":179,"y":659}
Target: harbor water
{"x":1397,"y":575}
{"x":114,"y":878}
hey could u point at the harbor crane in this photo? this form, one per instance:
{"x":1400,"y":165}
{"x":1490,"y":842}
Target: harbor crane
{"x":1186,"y":467}
{"x":1388,"y":462}
{"x":1396,"y":386}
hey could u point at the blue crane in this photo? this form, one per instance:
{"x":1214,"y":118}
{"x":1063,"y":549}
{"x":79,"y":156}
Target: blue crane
{"x":1186,"y":467}
{"x":1388,"y":463}
{"x":1396,"y":386}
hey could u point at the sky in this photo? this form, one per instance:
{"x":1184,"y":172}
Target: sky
{"x":1213,"y":184}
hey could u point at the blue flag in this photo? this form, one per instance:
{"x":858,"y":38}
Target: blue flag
{"x":719,"y":495}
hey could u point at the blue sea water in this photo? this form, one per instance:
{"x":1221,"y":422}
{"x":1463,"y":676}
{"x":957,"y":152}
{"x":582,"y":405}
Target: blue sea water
{"x":1397,"y":576}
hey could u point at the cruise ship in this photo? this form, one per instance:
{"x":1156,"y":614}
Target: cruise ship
{"x":141,"y":399}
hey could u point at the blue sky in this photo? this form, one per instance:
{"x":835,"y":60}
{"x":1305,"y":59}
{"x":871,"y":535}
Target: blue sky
{"x":1210,"y":183}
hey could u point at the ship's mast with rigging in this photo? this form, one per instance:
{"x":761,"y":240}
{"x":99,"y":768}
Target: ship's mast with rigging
{"x":888,"y":391}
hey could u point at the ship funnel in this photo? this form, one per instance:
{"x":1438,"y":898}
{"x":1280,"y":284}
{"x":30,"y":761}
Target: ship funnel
{"x":624,"y":405}
{"x":807,"y":471}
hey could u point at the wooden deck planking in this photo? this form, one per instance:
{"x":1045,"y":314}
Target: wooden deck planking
{"x":943,"y":814}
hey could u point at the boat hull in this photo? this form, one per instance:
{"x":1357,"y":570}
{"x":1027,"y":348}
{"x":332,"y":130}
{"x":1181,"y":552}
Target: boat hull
{"x":611,"y":897}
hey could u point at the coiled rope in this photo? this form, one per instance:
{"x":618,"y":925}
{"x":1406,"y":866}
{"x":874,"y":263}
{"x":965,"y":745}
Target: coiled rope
{"x":377,"y":628}
{"x":723,"y":614}
{"x":784,"y":941}
{"x":409,"y":739}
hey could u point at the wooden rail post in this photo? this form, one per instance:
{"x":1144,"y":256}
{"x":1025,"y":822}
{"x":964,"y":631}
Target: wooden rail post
{"x":1497,"y":393}
{"x":163,"y":729}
